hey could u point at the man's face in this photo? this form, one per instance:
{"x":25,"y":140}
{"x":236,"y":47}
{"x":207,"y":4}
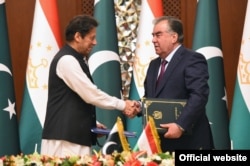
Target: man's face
{"x":163,"y":39}
{"x":87,"y":42}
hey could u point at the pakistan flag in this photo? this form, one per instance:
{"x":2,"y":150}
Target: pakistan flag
{"x":104,"y":61}
{"x":9,"y":137}
{"x":208,"y":42}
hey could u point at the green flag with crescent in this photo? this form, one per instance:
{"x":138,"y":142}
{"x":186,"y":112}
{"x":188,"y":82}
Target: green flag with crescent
{"x":207,"y":41}
{"x":104,"y":61}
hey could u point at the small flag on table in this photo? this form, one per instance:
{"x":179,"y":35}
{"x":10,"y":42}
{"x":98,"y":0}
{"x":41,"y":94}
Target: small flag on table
{"x":116,"y":140}
{"x":149,"y":139}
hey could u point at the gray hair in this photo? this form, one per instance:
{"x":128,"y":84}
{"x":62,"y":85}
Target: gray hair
{"x":174,"y":25}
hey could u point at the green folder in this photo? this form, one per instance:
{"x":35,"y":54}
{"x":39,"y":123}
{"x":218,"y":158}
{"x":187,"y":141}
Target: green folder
{"x":162,"y":111}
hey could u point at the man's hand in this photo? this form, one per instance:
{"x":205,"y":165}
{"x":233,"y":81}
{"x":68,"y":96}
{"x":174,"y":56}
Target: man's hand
{"x":132,"y":108}
{"x":100,"y":126}
{"x":173,"y":130}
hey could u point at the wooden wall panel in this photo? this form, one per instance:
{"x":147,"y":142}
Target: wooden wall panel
{"x":188,"y":11}
{"x":67,"y":10}
{"x":20,"y":18}
{"x":232,"y":17}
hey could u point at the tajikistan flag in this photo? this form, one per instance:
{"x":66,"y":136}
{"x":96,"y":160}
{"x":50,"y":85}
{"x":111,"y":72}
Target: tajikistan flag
{"x":144,"y":53}
{"x":149,"y":139}
{"x":44,"y":44}
{"x":240,"y":117}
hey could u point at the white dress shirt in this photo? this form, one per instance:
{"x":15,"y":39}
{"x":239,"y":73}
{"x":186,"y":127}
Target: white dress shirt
{"x":70,"y":71}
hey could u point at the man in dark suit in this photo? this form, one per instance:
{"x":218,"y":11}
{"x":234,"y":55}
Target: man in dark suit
{"x":185,"y":77}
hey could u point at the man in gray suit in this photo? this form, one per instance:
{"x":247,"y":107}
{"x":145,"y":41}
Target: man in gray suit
{"x":185,"y":77}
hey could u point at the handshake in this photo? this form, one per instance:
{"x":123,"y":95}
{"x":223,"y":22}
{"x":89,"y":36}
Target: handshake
{"x":132,"y":108}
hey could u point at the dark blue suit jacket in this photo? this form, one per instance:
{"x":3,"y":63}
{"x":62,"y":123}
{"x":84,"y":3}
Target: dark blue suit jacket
{"x":185,"y":78}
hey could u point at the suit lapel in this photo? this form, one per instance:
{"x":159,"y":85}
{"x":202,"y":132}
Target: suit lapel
{"x":171,"y":67}
{"x":155,"y":75}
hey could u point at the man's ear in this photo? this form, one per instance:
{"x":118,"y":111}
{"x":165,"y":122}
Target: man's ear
{"x":78,"y":36}
{"x":174,"y":37}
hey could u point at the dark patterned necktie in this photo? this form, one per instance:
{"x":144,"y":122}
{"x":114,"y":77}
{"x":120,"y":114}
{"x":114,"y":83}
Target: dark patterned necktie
{"x":163,"y":64}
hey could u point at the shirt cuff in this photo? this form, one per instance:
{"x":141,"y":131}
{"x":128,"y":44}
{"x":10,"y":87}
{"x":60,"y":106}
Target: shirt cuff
{"x":180,"y":128}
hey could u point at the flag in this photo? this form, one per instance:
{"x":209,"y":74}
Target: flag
{"x":240,"y":116}
{"x":144,"y":53}
{"x":45,"y":43}
{"x":149,"y":140}
{"x":104,"y":62}
{"x":9,"y":137}
{"x":207,"y":41}
{"x":116,"y":140}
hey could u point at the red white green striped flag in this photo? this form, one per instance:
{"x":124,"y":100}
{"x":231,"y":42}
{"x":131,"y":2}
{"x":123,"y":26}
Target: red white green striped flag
{"x":240,"y":117}
{"x":44,"y":44}
{"x":150,"y":9}
{"x":149,"y":140}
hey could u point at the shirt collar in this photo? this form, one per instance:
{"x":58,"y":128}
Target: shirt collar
{"x":170,"y":56}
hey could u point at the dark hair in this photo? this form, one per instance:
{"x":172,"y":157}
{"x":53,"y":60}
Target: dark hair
{"x":175,"y":25}
{"x":82,"y":24}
